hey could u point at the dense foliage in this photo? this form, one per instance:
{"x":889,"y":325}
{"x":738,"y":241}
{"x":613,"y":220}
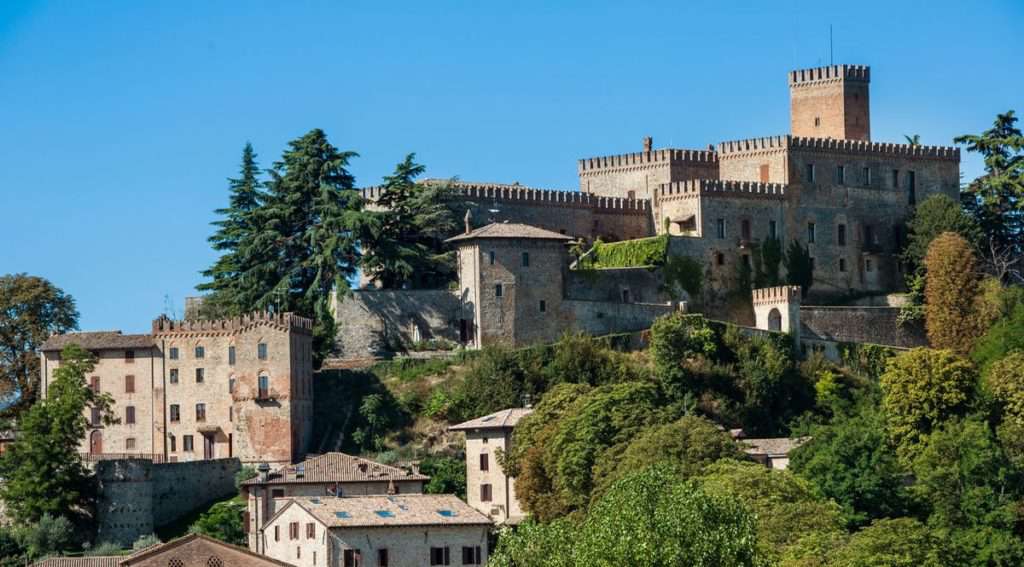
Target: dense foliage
{"x":223,"y":521}
{"x":799,"y":266}
{"x":936,"y":215}
{"x":31,"y":309}
{"x":951,"y":292}
{"x":636,"y":253}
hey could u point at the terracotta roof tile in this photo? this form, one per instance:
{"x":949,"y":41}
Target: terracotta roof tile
{"x":101,"y":561}
{"x":497,"y":420}
{"x":772,"y":446}
{"x":98,"y":340}
{"x":336,"y":467}
{"x":398,"y":510}
{"x":510,"y":230}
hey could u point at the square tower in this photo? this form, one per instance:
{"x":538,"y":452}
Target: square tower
{"x":830,"y":102}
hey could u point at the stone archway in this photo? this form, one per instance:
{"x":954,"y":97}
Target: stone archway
{"x":774,"y":320}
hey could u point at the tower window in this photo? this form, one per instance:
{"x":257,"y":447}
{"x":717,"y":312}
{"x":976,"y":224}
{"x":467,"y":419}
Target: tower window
{"x":174,"y":353}
{"x":842,"y":264}
{"x":261,"y":351}
{"x":764,"y":173}
{"x":490,"y":257}
{"x":841,"y":174}
{"x":773,"y":230}
{"x":497,"y":290}
{"x":911,"y":188}
{"x":231,"y":355}
{"x":817,"y":121}
{"x":174,"y":376}
{"x":809,"y":172}
{"x":867,"y":177}
{"x":526,"y":259}
{"x":895,"y":178}
{"x":720,"y":228}
{"x":200,"y":375}
{"x":810,"y":233}
{"x":841,"y":235}
{"x":200,"y":352}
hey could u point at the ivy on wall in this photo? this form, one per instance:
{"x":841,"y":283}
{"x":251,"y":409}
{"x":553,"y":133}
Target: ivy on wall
{"x":636,"y":253}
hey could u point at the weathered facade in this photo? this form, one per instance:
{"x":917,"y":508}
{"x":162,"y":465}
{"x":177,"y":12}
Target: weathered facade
{"x":488,"y":488}
{"x":195,"y":390}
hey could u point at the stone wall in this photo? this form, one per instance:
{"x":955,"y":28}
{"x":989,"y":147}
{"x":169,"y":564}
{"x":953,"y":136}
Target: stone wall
{"x":136,"y":495}
{"x":608,"y":284}
{"x":606,"y":318}
{"x":876,"y":325}
{"x":371,"y":323}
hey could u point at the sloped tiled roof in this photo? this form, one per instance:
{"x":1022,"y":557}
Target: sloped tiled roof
{"x":505,"y":418}
{"x":99,"y":561}
{"x":510,"y":230}
{"x":336,"y":467}
{"x":98,"y":340}
{"x":229,"y":555}
{"x":777,"y":446}
{"x":393,"y":511}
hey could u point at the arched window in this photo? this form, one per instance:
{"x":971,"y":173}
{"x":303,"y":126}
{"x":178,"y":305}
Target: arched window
{"x":774,"y":320}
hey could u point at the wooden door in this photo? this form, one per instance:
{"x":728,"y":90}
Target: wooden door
{"x":208,"y":447}
{"x":96,"y":443}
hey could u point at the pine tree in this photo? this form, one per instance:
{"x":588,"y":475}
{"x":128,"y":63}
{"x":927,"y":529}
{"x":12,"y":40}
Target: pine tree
{"x":236,"y":226}
{"x":405,"y":241}
{"x":304,"y":245}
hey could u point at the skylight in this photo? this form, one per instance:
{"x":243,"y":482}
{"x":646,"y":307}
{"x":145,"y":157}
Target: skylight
{"x":343,"y":515}
{"x":384,"y":513}
{"x":446,"y":513}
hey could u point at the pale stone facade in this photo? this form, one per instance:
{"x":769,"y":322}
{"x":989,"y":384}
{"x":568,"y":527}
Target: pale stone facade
{"x":488,"y":488}
{"x":195,"y":390}
{"x":371,"y":531}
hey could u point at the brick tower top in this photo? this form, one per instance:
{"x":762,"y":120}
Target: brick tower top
{"x":830,"y":102}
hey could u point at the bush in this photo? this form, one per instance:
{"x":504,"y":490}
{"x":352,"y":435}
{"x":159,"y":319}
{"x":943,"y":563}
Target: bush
{"x":104,"y":548}
{"x":1005,"y":336}
{"x":51,"y":535}
{"x":447,"y":475}
{"x":243,"y":474}
{"x":145,"y":542}
{"x":675,"y":338}
{"x":1004,"y":380}
{"x":222,"y":521}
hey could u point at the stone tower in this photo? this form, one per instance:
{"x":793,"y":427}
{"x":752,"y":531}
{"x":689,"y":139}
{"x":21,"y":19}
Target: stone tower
{"x":830,"y":102}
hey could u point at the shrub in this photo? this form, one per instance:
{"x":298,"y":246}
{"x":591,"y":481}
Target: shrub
{"x":104,"y":548}
{"x":222,"y":521}
{"x":447,"y":475}
{"x":629,"y":253}
{"x":145,"y":542}
{"x":1005,"y":381}
{"x":1005,"y":336}
{"x":675,"y":338}
{"x":244,"y":474}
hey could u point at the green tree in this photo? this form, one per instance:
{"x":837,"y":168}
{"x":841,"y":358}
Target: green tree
{"x":447,"y":475}
{"x":786,"y":507}
{"x":31,"y":309}
{"x":913,"y":140}
{"x":951,"y":290}
{"x":675,"y":339}
{"x":222,"y":521}
{"x":50,"y":535}
{"x":799,"y":269}
{"x":997,"y":198}
{"x":921,"y":389}
{"x":43,"y":471}
{"x":405,"y":242}
{"x":305,"y":246}
{"x":851,"y":461}
{"x":1004,"y":381}
{"x":1003,"y":337}
{"x":689,"y":444}
{"x":650,"y":518}
{"x":771,"y":260}
{"x":898,"y":542}
{"x":933,"y":216}
{"x":236,"y":227}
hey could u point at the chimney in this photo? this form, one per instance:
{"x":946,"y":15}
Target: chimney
{"x":264,"y":470}
{"x":648,"y":142}
{"x":468,"y":219}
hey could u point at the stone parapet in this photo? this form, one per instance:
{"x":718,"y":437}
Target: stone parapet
{"x":776,"y":294}
{"x":833,"y":145}
{"x":666,"y":157}
{"x":720,"y":187}
{"x":529,"y":195}
{"x":817,"y":75}
{"x":164,"y":326}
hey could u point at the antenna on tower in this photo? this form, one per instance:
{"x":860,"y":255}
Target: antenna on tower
{"x":831,"y":59}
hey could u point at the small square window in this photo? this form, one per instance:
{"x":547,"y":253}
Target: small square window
{"x":200,"y":352}
{"x":129,"y":444}
{"x":173,"y":355}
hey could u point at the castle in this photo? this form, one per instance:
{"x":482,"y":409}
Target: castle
{"x":826,"y":185}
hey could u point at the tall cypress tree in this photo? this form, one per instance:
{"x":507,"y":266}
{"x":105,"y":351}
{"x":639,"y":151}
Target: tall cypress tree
{"x":237,"y":224}
{"x":405,"y":241}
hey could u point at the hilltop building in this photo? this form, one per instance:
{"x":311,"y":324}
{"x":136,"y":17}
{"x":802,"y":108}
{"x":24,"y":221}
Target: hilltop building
{"x":195,"y":390}
{"x":329,"y":475}
{"x":825,"y":185}
{"x":488,"y":488}
{"x":377,"y":531}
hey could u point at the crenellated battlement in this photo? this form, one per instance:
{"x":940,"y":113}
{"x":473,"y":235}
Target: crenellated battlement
{"x":725,"y":188}
{"x":529,"y":195}
{"x":819,"y":75}
{"x":283,"y":321}
{"x":782,"y":293}
{"x":667,"y":157}
{"x":829,"y":145}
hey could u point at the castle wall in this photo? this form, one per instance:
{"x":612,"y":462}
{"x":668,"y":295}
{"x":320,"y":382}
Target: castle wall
{"x":136,"y":495}
{"x":606,"y":318}
{"x":608,"y":284}
{"x":638,"y":175}
{"x":374,"y":322}
{"x":876,"y":325}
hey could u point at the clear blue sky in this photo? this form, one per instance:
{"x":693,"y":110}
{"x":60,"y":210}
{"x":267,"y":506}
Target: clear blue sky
{"x":119,"y":121}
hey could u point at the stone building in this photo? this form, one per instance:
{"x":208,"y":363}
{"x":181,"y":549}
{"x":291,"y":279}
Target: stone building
{"x":408,"y":530}
{"x":331,"y":474}
{"x":825,"y":185}
{"x":488,"y":488}
{"x":194,"y":390}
